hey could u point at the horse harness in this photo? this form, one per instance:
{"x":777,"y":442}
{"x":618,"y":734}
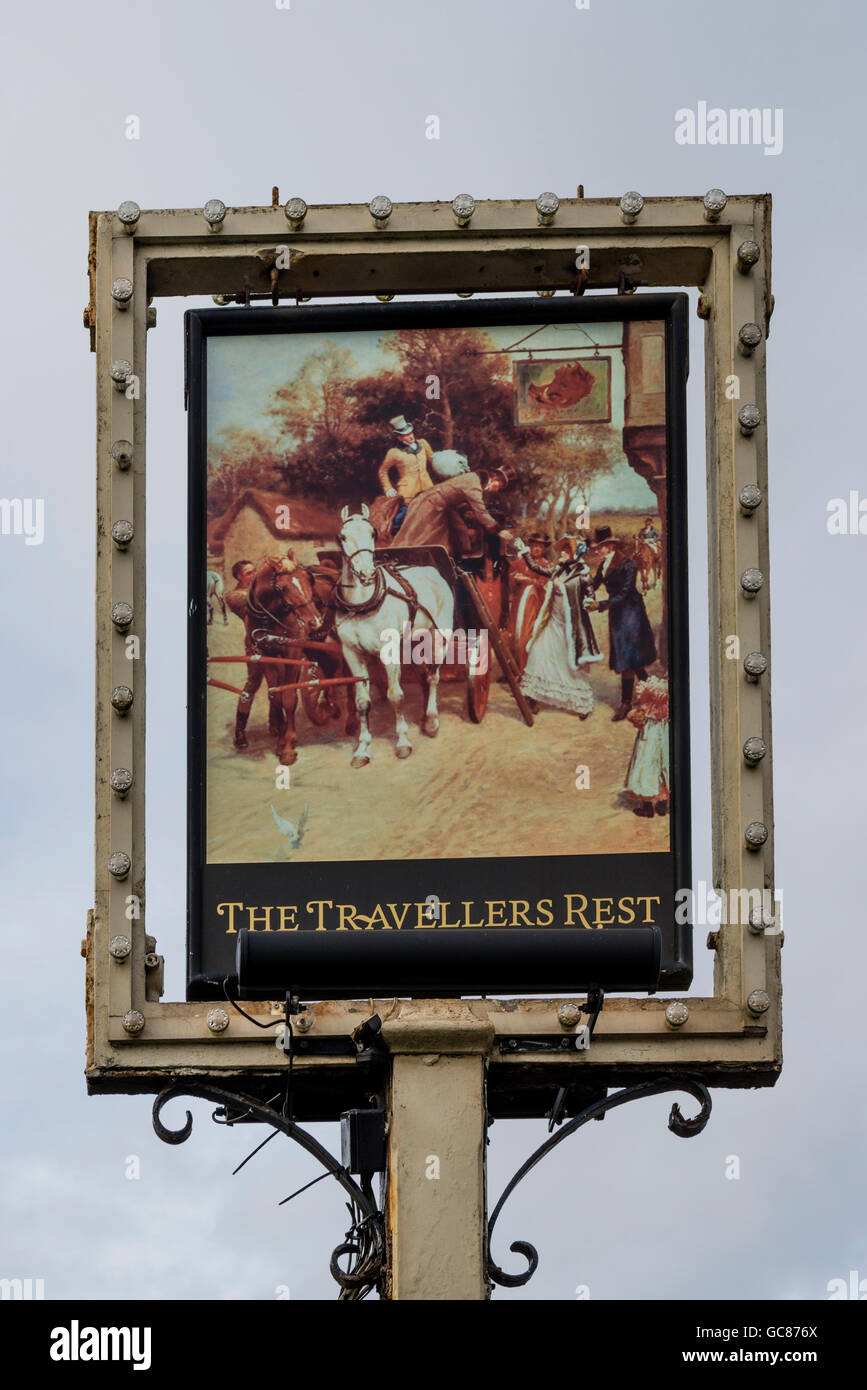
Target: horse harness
{"x":381,"y":591}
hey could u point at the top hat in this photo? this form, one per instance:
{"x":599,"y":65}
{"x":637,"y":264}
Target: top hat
{"x":505,"y":473}
{"x":602,"y":533}
{"x":537,"y":538}
{"x":401,"y":425}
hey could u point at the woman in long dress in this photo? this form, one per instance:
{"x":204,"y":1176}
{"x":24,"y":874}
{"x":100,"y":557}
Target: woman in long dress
{"x":563,"y":644}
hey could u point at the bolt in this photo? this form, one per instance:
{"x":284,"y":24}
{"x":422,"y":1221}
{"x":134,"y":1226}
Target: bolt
{"x":121,"y":698}
{"x":546,"y":208}
{"x":119,"y":864}
{"x":758,"y":1002}
{"x":121,"y":452}
{"x":750,"y":497}
{"x":751,"y":582}
{"x":152,"y":960}
{"x":755,"y":665}
{"x":755,"y":834}
{"x":121,"y":292}
{"x":568,"y":1014}
{"x":760,"y":920}
{"x":120,"y":781}
{"x":754,"y":750}
{"x":133,"y":1021}
{"x":120,"y":372}
{"x":121,"y":615}
{"x":217,"y":1020}
{"x":714,"y":202}
{"x":748,"y":254}
{"x":749,"y":419}
{"x":463,"y":207}
{"x":214,"y":213}
{"x":513,"y":1042}
{"x":128,"y":215}
{"x":296,"y":211}
{"x":630,"y":206}
{"x":119,"y":947}
{"x":749,"y":337}
{"x":676,"y":1013}
{"x":222,"y":299}
{"x":380,"y":209}
{"x":121,"y":534}
{"x":303,"y":1022}
{"x":385,"y":298}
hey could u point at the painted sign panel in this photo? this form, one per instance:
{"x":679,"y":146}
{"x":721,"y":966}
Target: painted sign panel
{"x":438,"y":623}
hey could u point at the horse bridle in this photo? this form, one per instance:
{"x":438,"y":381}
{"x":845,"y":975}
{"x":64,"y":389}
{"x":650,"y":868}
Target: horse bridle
{"x":262,"y":612}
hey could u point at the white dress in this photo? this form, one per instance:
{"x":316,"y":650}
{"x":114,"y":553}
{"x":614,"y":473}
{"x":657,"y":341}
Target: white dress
{"x":550,"y":676}
{"x":647,"y":774}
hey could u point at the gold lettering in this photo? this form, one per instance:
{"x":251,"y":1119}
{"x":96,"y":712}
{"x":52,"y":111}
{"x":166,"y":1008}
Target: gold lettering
{"x":319,"y":903}
{"x":423,"y":919}
{"x":624,"y":921}
{"x":469,"y":907}
{"x":540,"y":908}
{"x":287,"y":912}
{"x":231,"y":906}
{"x":398,"y":921}
{"x":607,"y":921}
{"x":378,"y":914}
{"x":264,"y":912}
{"x":347,"y":910}
{"x":491,"y":904}
{"x":444,"y":912}
{"x":578,"y":911}
{"x":648,"y":921}
{"x":520,"y":908}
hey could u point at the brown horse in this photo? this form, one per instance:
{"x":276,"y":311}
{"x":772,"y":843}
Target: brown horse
{"x":282,"y":609}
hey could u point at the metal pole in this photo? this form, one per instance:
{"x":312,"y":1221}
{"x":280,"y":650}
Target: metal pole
{"x":436,"y":1202}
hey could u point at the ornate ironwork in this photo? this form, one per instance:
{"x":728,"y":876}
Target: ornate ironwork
{"x":678,"y":1124}
{"x":365,"y":1239}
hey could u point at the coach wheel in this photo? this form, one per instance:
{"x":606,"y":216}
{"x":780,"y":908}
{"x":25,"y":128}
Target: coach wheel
{"x":478,"y":686}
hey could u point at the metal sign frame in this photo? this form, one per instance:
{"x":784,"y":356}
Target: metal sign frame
{"x":137,"y":1043}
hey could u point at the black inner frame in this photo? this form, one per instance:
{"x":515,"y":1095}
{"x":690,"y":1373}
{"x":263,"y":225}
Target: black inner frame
{"x":349,"y":876}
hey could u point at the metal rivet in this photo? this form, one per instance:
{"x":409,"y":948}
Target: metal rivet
{"x":296,"y":211}
{"x":121,"y":698}
{"x":214,"y":213}
{"x":120,"y":372}
{"x":120,"y":780}
{"x":760,"y":920}
{"x":380,"y":209}
{"x":303,"y":1022}
{"x":119,"y":864}
{"x":463,"y":207}
{"x":714,"y":202}
{"x":217,"y":1020}
{"x":464,"y":294}
{"x":152,"y":961}
{"x":119,"y":947}
{"x":750,"y":497}
{"x":546,"y":294}
{"x":222,"y":299}
{"x":547,"y":205}
{"x":630,"y":206}
{"x":121,"y":292}
{"x":748,"y":254}
{"x":133,"y":1021}
{"x":385,"y":298}
{"x":754,"y":750}
{"x":676,"y":1013}
{"x":121,"y":615}
{"x":751,"y":581}
{"x":749,"y":337}
{"x":758,"y":1002}
{"x":755,"y":665}
{"x":749,"y":419}
{"x":755,"y":834}
{"x":128,"y":215}
{"x":121,"y":534}
{"x":568,"y":1014}
{"x":121,"y":452}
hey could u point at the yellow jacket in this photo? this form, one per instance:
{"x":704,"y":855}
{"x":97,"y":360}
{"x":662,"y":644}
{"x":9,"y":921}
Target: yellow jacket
{"x":412,"y":475}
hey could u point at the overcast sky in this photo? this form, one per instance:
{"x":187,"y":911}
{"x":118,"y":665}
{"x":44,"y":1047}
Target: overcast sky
{"x":329,"y":99}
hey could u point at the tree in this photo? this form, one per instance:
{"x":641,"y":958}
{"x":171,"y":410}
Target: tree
{"x":565,"y":467}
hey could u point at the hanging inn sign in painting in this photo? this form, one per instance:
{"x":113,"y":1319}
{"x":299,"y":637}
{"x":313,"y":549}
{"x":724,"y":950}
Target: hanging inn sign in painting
{"x":438,"y":648}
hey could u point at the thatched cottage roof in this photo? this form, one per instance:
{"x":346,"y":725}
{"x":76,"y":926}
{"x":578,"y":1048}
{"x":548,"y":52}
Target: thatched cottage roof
{"x":307,"y":520}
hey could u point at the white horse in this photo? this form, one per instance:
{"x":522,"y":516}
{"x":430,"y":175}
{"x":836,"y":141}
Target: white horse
{"x":215,"y":589}
{"x":369,"y":603}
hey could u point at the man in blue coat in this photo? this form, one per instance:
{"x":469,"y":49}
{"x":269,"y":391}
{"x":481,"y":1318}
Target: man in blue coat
{"x":631,"y":644}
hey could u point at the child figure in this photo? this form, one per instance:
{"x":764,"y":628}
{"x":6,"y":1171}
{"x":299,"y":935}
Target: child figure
{"x":647,"y":776}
